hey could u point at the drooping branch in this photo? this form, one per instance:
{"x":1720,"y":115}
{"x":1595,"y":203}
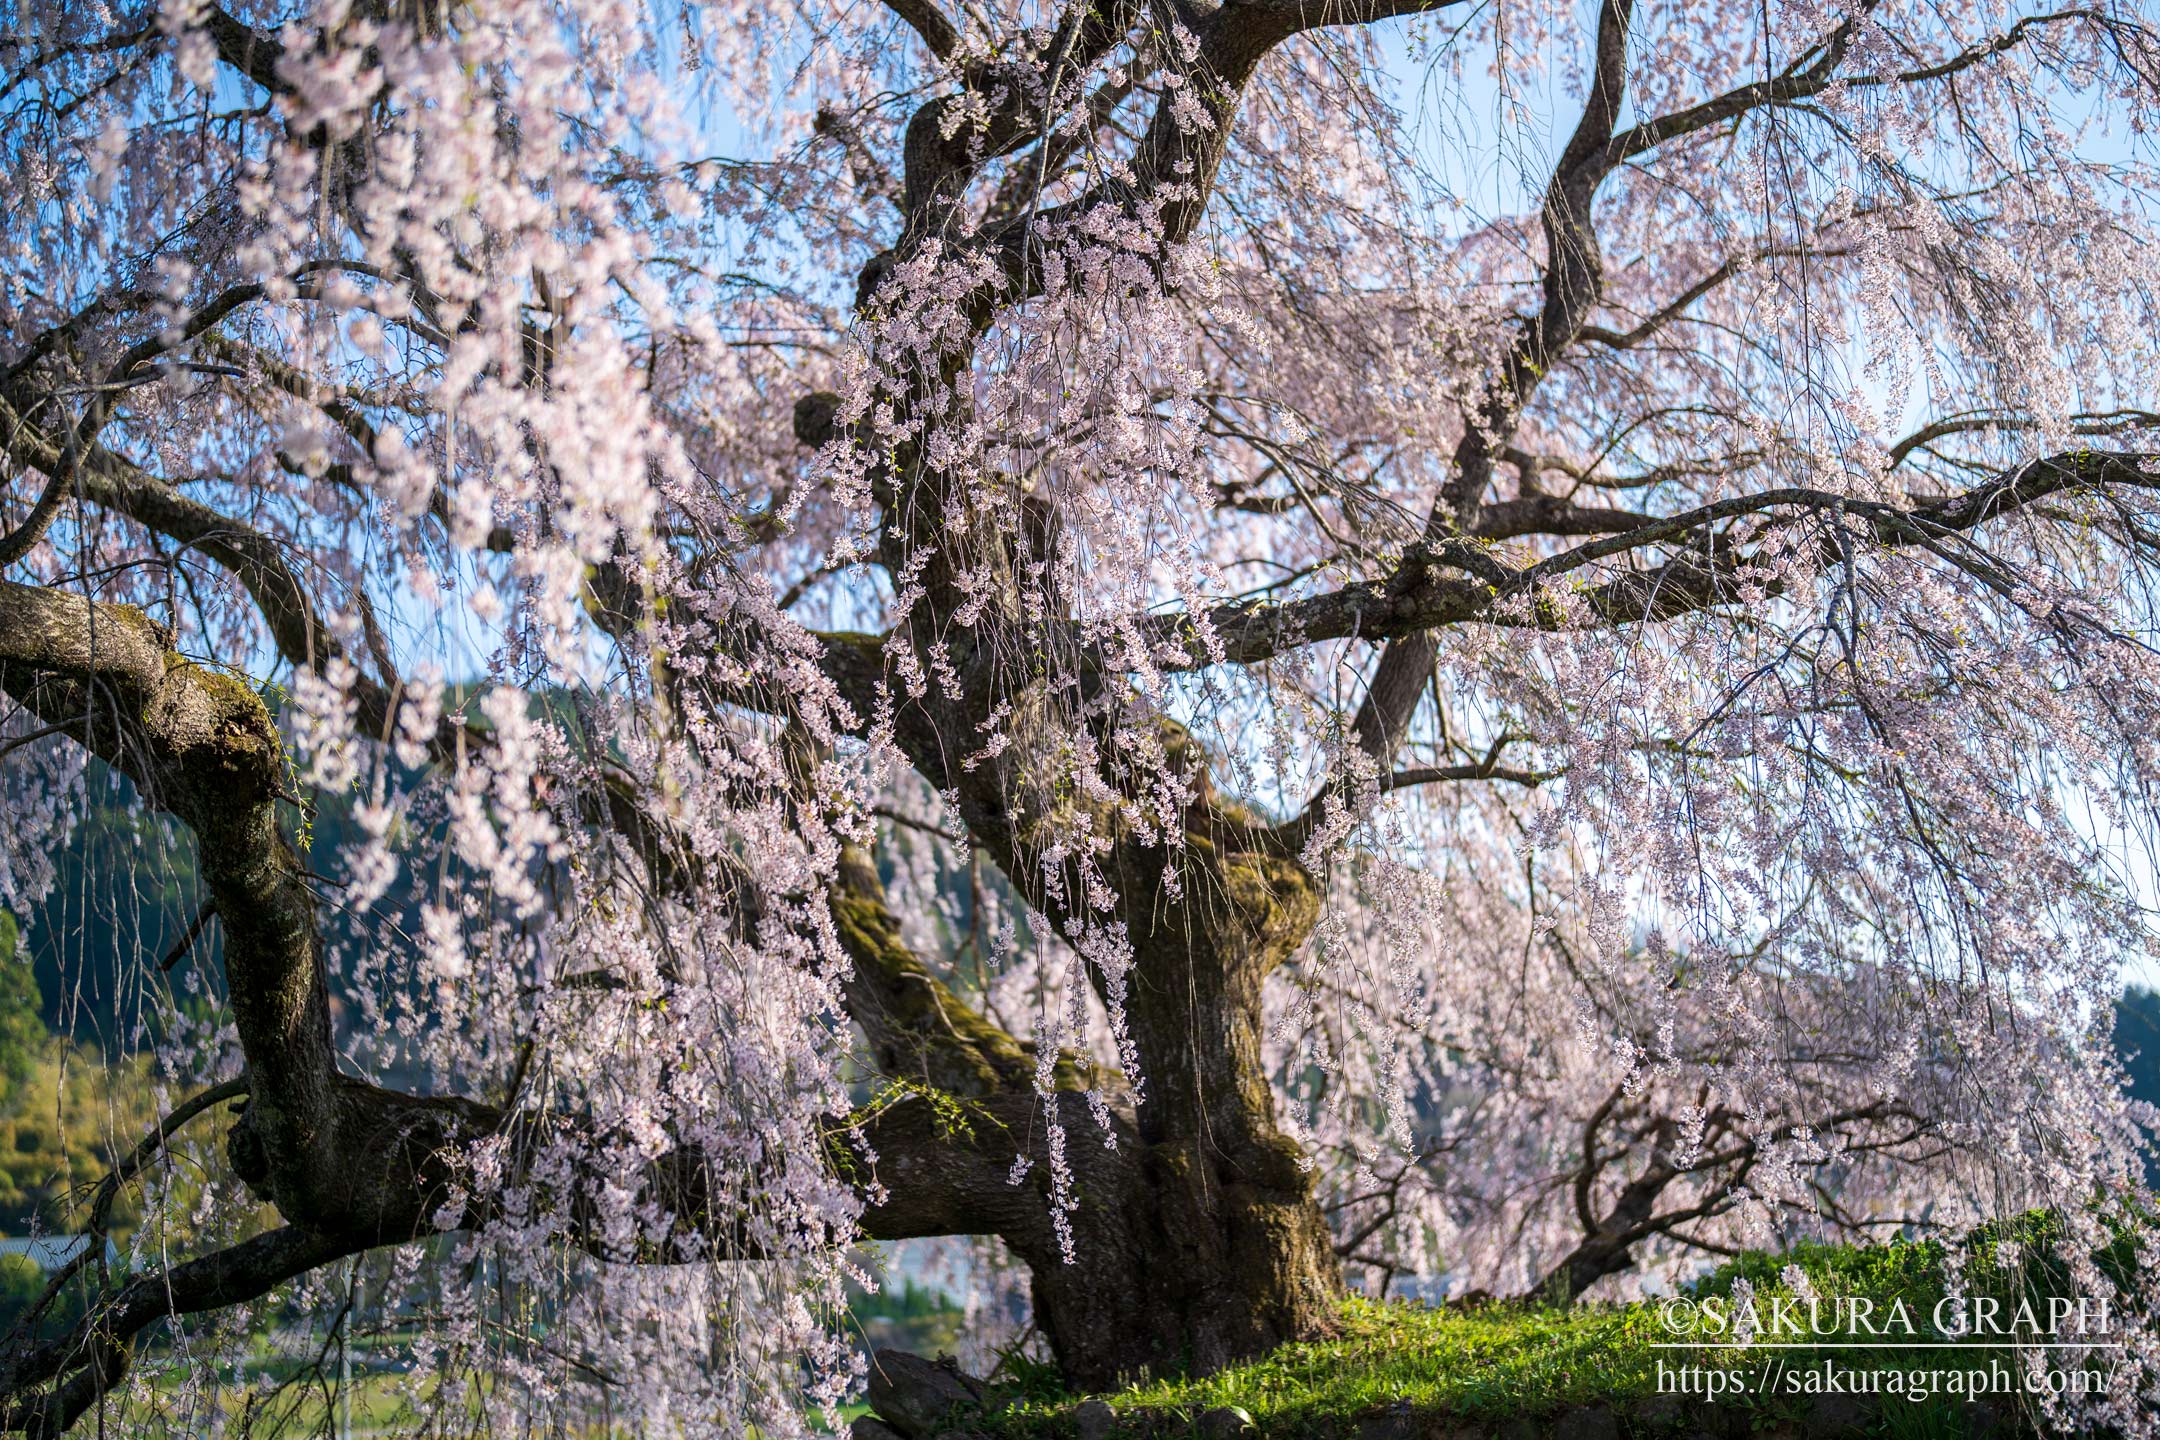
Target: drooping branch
{"x":330,"y":1152}
{"x":150,"y":1146}
{"x":1664,"y":316}
{"x":1571,"y":291}
{"x":1295,"y":830}
{"x":1610,"y":1234}
{"x":336,"y":1155}
{"x":62,"y":466}
{"x":92,"y":1251}
{"x":1808,"y":77}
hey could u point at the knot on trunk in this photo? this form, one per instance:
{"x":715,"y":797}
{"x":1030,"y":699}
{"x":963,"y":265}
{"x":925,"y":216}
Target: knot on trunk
{"x":244,"y":1152}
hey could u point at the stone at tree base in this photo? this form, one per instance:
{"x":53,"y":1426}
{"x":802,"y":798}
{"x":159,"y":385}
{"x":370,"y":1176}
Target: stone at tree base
{"x":1587,"y":1422}
{"x":1838,"y":1417}
{"x":1093,"y":1420}
{"x":916,"y":1396}
{"x":1226,"y":1422}
{"x":869,"y":1427}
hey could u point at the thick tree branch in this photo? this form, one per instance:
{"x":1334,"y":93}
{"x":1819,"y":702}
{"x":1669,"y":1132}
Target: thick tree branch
{"x":1608,"y":1239}
{"x":86,"y":1362}
{"x":930,"y":23}
{"x":918,"y":1029}
{"x":1417,"y":597}
{"x":1572,"y":284}
{"x":330,"y":1152}
{"x":254,"y":53}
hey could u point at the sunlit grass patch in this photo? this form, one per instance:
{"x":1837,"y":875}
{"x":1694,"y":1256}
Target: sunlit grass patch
{"x":1480,"y":1367}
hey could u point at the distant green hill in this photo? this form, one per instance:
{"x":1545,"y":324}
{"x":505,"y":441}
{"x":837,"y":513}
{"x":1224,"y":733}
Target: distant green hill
{"x":2137,"y":1040}
{"x":125,"y":892}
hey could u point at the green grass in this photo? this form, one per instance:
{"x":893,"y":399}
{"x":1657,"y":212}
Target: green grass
{"x":1497,"y":1361}
{"x":1488,"y":1367}
{"x":1505,"y":1362}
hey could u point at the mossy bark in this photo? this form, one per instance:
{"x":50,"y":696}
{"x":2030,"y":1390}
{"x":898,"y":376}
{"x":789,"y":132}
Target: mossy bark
{"x":1216,"y":1250}
{"x":333,"y":1154}
{"x":1195,"y":1240}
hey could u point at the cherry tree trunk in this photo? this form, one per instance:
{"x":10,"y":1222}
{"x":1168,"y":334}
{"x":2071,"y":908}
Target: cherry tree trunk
{"x":1194,"y":1263}
{"x":1203,"y":1245}
{"x":1167,"y":1220}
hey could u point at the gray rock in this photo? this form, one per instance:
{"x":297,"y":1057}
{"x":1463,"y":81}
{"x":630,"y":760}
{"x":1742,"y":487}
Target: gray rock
{"x":1093,"y":1420}
{"x":1587,"y":1422}
{"x":1394,"y":1423}
{"x":1837,"y":1417}
{"x":869,"y":1427}
{"x":916,"y":1396}
{"x":1225,"y":1422}
{"x":1659,"y":1415}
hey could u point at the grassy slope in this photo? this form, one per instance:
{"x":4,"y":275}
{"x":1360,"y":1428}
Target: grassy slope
{"x":1485,"y":1366}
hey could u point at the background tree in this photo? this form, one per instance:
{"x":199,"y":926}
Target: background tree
{"x":1682,"y":594}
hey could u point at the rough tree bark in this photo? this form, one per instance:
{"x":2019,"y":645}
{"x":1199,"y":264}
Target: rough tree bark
{"x":1196,"y":1238}
{"x":1206,"y":1245}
